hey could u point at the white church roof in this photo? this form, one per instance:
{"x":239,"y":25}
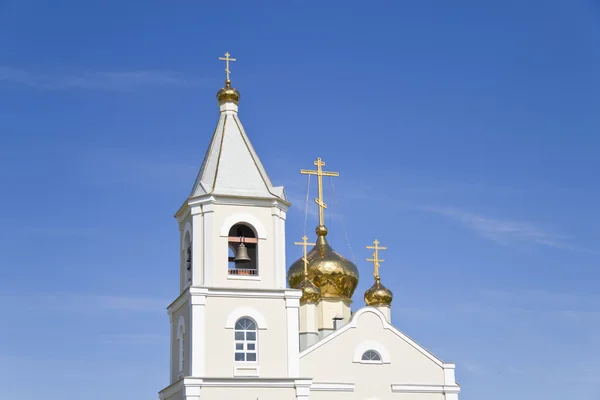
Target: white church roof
{"x":231,"y":166}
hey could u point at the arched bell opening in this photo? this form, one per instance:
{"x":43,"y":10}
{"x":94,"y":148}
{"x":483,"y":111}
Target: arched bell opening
{"x":243,"y":251}
{"x":187,"y":259}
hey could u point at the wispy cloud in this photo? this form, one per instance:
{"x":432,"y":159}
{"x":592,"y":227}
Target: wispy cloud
{"x":98,"y":80}
{"x":507,"y":231}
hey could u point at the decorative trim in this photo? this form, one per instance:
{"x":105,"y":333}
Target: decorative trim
{"x":203,"y":292}
{"x":412,"y":388}
{"x":236,"y":382}
{"x":244,"y":278}
{"x":238,"y":200}
{"x":386,"y":325}
{"x":241,"y":312}
{"x":171,"y":390}
{"x":246,"y":370}
{"x":246,"y":295}
{"x":332,"y":387}
{"x":449,"y":376}
{"x":371,"y":345}
{"x":179,"y":301}
{"x":292,"y":302}
{"x":302,"y":386}
{"x":241,"y":218}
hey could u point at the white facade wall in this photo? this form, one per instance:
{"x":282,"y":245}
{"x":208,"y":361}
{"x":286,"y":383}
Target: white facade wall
{"x":331,"y":308}
{"x":406,"y":370}
{"x":272,"y":339}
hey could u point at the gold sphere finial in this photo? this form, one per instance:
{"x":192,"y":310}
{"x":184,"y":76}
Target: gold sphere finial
{"x":321,"y":230}
{"x":228,"y":94}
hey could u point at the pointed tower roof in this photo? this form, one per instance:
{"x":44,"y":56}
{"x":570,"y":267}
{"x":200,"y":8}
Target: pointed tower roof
{"x":231,"y":166}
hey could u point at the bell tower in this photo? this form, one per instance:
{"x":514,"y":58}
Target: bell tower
{"x":234,"y":316}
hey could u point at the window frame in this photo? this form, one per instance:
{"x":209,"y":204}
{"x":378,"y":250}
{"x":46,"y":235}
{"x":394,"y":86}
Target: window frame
{"x":181,"y":346}
{"x":245,"y":342}
{"x":377,"y":360}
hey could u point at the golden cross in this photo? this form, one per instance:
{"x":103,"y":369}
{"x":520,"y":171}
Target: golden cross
{"x":320,"y":174}
{"x":305,"y":243}
{"x":376,"y":260}
{"x":227,"y":59}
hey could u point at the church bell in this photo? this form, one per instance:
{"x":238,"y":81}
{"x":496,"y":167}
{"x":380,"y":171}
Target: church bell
{"x":241,"y":255}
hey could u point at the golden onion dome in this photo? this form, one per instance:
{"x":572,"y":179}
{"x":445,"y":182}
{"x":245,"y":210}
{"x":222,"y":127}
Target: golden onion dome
{"x":334,"y":275}
{"x":310,"y":293}
{"x":378,"y":295}
{"x":228,"y":94}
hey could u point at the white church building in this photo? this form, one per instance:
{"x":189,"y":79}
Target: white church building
{"x":247,"y":327}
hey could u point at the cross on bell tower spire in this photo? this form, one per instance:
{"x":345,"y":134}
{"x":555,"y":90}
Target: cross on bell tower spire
{"x":227,"y":59}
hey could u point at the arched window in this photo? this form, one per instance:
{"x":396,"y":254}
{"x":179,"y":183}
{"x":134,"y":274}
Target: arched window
{"x":187,"y":259}
{"x":181,"y":345}
{"x":243,"y":251}
{"x":371,"y":356}
{"x":245,"y":340}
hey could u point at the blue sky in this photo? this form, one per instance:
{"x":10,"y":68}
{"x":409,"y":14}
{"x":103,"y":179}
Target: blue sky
{"x":465,"y":134}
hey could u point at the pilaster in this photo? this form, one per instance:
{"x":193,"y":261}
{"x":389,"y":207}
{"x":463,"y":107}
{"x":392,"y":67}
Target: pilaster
{"x":386,"y":311}
{"x":309,"y":328}
{"x":171,"y":348}
{"x":280,"y":256}
{"x":197,"y":332}
{"x":451,"y":389}
{"x":302,"y":388}
{"x":292,"y":304}
{"x":208,"y":211}
{"x":197,"y":246}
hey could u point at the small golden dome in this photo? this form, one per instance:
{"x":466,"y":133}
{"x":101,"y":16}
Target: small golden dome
{"x":378,"y":295}
{"x":228,"y":94}
{"x":334,"y":275}
{"x":310,"y":293}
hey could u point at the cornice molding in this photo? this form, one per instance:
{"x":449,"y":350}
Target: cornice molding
{"x":413,"y":388}
{"x":292,"y":296}
{"x":332,"y":387}
{"x":246,"y":382}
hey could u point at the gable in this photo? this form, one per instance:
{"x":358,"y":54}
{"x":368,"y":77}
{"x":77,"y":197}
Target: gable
{"x":336,"y":358}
